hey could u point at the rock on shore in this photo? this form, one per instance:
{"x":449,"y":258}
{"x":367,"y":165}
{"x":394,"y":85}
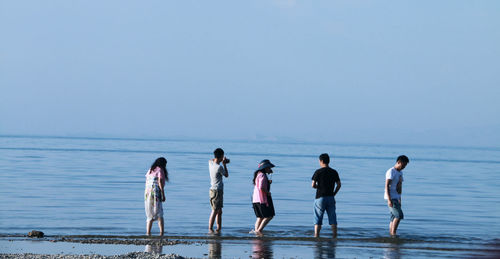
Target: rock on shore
{"x":36,"y":233}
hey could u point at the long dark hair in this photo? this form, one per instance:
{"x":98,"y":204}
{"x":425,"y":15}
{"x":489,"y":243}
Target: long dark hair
{"x":255,"y":175}
{"x":161,"y":162}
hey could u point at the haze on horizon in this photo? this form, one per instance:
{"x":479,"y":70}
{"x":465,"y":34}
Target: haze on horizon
{"x":395,"y":72}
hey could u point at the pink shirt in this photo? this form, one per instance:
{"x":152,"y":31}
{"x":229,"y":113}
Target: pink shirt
{"x":261,"y":185}
{"x":157,"y":172}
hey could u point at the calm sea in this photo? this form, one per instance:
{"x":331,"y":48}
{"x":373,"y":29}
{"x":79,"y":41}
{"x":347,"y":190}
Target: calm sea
{"x":95,"y":186}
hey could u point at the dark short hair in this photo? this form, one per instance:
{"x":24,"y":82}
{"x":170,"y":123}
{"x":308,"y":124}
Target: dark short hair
{"x":218,"y":153}
{"x":325,"y":158}
{"x":403,"y":159}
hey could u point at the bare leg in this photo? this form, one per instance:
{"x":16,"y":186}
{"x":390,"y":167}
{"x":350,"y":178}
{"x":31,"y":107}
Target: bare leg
{"x":390,"y":227}
{"x":211,"y":221}
{"x":334,"y":231}
{"x":317,"y":229}
{"x":161,"y":225}
{"x":263,"y":224}
{"x":395,"y":224}
{"x":257,"y":224}
{"x":219,"y":220}
{"x":149,"y":223}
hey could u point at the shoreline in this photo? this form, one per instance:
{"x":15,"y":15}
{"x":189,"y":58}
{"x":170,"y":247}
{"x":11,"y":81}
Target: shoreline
{"x":191,"y":239}
{"x":92,"y":256}
{"x":115,"y":246}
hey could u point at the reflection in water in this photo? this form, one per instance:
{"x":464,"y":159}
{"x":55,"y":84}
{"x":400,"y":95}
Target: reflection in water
{"x":214,"y":249}
{"x":262,"y":248}
{"x":325,"y":249}
{"x":154,"y":249}
{"x":392,"y":252}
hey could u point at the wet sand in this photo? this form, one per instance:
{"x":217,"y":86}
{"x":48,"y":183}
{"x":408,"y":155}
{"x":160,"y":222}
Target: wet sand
{"x":213,"y":246}
{"x":126,"y":256}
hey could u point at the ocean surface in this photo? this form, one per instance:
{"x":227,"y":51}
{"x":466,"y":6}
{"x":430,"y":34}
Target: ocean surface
{"x":95,"y":186}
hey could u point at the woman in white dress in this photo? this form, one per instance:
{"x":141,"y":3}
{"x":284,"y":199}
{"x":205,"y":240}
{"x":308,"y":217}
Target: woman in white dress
{"x":154,"y":194}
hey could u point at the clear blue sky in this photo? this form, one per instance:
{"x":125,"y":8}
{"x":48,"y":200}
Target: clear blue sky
{"x":405,"y":72}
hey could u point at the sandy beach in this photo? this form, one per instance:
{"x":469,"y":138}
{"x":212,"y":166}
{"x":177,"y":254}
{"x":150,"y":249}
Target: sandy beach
{"x":100,"y":246}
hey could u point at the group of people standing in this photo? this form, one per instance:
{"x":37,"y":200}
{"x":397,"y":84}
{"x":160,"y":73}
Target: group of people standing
{"x":262,"y":200}
{"x":325,"y":180}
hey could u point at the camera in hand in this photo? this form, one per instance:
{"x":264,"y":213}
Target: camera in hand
{"x":226,"y":160}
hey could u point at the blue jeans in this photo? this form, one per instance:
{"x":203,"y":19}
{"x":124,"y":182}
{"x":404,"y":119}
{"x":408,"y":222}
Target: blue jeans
{"x":395,"y":210}
{"x":320,"y":205}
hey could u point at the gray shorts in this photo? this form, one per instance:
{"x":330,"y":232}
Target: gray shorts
{"x":395,"y":210}
{"x":216,"y":199}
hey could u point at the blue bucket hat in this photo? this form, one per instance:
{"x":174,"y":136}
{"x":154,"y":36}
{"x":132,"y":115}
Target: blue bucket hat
{"x":265,"y":164}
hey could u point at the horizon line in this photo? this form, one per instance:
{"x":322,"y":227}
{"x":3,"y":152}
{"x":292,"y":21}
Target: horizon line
{"x":247,"y":140}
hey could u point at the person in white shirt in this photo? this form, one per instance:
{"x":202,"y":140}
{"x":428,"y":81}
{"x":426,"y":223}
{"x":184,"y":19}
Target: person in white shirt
{"x":393,"y":190}
{"x":217,"y":187}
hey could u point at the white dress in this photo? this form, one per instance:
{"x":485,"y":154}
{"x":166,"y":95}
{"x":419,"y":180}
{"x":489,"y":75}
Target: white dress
{"x":152,"y":195}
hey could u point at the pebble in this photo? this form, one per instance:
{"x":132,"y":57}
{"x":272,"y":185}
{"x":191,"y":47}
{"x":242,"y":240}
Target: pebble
{"x":125,"y":256}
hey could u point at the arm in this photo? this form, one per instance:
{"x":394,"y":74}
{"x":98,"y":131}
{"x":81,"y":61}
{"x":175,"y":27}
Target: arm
{"x":387,"y":185}
{"x":314,"y":181}
{"x":339,"y":184}
{"x":225,"y":173}
{"x":263,"y":185}
{"x":162,"y":185}
{"x":399,"y":188}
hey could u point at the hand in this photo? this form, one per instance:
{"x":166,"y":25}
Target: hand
{"x":389,"y":203}
{"x":162,"y":197}
{"x":270,"y":181}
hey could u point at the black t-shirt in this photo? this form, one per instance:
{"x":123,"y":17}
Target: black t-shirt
{"x":325,"y":178}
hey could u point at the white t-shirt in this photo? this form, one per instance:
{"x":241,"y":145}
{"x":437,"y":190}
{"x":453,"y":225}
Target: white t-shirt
{"x":216,"y":173}
{"x":395,"y":176}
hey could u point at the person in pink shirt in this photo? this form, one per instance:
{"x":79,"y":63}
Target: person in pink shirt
{"x":262,"y":201}
{"x":154,"y":194}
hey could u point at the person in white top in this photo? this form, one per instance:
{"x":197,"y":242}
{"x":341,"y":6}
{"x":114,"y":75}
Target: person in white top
{"x":393,"y":190}
{"x":217,"y":187}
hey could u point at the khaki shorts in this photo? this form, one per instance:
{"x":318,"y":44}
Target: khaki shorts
{"x":216,"y":199}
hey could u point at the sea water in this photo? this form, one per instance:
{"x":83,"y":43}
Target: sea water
{"x":80,"y":186}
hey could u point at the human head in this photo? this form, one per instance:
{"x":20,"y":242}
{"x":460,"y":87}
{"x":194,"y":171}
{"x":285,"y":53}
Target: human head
{"x":264,"y":167}
{"x":219,"y":153}
{"x":161,"y":162}
{"x":324,"y":158}
{"x":401,"y":162}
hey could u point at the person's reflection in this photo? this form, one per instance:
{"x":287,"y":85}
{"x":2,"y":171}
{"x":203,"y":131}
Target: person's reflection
{"x":392,"y":252}
{"x":325,"y":249}
{"x":262,"y":248}
{"x":214,"y":249}
{"x":154,"y":249}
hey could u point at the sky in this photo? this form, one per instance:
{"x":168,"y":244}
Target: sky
{"x":394,"y":72}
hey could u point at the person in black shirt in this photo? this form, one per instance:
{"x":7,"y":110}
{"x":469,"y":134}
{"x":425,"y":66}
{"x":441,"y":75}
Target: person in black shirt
{"x":325,"y":180}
